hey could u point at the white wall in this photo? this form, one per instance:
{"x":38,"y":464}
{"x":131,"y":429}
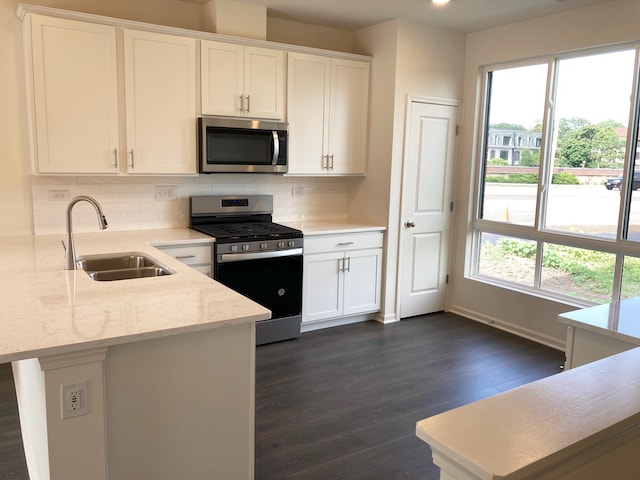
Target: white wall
{"x":409,"y":60}
{"x":15,"y":184}
{"x":607,"y":23}
{"x":306,"y":35}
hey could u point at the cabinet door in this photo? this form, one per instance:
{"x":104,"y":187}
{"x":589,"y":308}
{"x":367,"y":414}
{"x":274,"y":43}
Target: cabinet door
{"x":363,"y":269}
{"x":75,"y":96}
{"x":160,"y":103}
{"x":221,"y":69}
{"x":308,"y":112}
{"x":323,"y":286}
{"x":348,"y":117}
{"x":264,"y":83}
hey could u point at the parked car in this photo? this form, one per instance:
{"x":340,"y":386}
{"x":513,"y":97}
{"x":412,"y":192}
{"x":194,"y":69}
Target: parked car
{"x":615,"y":182}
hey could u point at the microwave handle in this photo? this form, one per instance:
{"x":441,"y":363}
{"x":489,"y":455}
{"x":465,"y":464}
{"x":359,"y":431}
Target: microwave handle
{"x":276,"y":147}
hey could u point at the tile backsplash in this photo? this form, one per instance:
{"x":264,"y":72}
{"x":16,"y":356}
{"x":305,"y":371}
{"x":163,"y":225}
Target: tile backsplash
{"x":132,"y":203}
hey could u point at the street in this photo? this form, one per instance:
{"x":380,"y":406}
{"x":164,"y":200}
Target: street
{"x":572,"y":208}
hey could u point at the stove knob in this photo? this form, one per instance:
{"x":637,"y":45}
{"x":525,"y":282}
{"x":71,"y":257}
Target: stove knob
{"x":245,"y":247}
{"x":281,"y":244}
{"x":233,"y":248}
{"x":263,"y":246}
{"x":292,"y":243}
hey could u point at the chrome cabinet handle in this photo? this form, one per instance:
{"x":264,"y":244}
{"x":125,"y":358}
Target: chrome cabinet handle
{"x":348,"y":267}
{"x":342,"y":244}
{"x":182,"y":257}
{"x":409,"y":224}
{"x":115,"y":157}
{"x":341,"y":264}
{"x":248,"y":104}
{"x":325,"y":161}
{"x":242,"y":103}
{"x":132,"y":164}
{"x":331,"y":167}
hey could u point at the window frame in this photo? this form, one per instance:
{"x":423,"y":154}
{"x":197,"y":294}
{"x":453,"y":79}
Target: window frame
{"x":620,"y":246}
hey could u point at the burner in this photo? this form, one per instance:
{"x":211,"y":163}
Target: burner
{"x":251,"y":231}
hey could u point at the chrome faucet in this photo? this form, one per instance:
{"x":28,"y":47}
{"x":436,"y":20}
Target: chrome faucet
{"x":70,"y":254}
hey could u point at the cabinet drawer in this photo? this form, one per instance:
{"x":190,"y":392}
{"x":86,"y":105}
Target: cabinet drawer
{"x":342,"y":242}
{"x":190,"y":254}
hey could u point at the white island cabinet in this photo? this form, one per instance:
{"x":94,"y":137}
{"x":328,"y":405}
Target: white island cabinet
{"x":601,"y":331}
{"x":164,"y":366}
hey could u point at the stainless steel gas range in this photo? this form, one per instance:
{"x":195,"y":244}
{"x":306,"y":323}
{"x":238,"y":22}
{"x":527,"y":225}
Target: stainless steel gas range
{"x":254,"y":256}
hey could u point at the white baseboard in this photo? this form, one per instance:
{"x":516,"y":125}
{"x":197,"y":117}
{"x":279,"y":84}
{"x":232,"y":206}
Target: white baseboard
{"x":509,"y":327}
{"x":335,"y":322}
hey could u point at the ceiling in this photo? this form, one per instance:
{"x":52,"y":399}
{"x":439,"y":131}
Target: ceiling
{"x":460,"y":15}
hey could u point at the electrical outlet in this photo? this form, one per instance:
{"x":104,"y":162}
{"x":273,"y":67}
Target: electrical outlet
{"x":165,"y":192}
{"x":73,"y":400}
{"x":58,"y":195}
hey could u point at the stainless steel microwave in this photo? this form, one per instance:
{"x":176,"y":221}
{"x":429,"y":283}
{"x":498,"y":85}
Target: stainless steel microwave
{"x":237,"y":145}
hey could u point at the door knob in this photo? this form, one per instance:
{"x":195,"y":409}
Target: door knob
{"x":409,"y":224}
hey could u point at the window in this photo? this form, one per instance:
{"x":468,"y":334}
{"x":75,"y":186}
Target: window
{"x":555,"y":220}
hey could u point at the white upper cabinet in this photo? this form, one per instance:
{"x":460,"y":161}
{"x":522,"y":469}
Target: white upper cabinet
{"x":328,"y":105}
{"x":242,"y":81}
{"x":76,"y":125}
{"x":75,"y":96}
{"x":160,"y":91}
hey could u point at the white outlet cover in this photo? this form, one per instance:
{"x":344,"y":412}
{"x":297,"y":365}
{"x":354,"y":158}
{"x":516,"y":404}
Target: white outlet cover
{"x":73,"y":400}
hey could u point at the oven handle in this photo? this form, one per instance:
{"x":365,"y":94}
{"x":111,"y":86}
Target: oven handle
{"x":240,"y":257}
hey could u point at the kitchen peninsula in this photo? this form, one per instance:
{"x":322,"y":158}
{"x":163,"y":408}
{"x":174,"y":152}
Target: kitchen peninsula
{"x":167,"y":363}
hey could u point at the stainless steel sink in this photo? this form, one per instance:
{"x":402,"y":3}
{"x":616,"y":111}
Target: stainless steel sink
{"x":121,"y":266}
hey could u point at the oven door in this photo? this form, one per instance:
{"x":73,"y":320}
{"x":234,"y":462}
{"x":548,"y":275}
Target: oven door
{"x":275,"y":282}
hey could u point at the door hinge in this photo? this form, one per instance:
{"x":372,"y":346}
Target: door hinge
{"x":447,"y":279}
{"x":457,"y":130}
{"x":451,"y":207}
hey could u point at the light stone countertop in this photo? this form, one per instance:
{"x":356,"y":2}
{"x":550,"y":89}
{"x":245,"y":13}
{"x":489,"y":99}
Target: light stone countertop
{"x":520,"y":433}
{"x":47,"y":310}
{"x":330,"y":227}
{"x":619,"y":320}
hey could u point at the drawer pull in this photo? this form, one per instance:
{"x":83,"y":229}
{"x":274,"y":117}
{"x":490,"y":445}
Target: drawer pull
{"x":182,"y":257}
{"x":344,"y":244}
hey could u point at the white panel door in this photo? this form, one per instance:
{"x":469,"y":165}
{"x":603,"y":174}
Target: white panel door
{"x":307,"y":112}
{"x":323,"y":287}
{"x":362,"y":271}
{"x":426,"y":208}
{"x":348,"y":117}
{"x":221,"y":70}
{"x":75,"y":96}
{"x":161,"y":103}
{"x":264,"y":82}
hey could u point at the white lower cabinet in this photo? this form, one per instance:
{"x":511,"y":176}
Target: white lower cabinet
{"x":197,"y":255}
{"x":342,"y":275}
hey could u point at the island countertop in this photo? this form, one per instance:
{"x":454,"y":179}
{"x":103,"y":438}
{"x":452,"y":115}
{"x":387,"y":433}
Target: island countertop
{"x":47,"y":310}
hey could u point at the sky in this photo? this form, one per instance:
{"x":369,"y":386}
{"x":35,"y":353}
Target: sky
{"x":596,"y":87}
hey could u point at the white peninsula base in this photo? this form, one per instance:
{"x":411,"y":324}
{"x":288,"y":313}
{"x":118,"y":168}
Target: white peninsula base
{"x":180,"y":406}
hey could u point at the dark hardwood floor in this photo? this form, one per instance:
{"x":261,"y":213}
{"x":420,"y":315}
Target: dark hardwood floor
{"x":342,"y":403}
